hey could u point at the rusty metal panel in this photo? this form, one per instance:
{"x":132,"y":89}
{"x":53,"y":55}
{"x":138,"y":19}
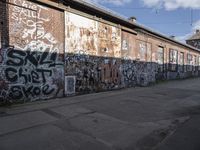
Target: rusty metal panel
{"x":128,"y":42}
{"x":81,"y":35}
{"x":109,"y":41}
{"x":33,"y":67}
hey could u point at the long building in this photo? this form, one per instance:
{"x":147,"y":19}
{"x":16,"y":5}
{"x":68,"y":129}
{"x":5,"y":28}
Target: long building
{"x":59,"y":48}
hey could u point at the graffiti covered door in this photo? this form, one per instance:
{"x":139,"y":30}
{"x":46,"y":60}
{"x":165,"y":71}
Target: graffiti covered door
{"x":33,"y":67}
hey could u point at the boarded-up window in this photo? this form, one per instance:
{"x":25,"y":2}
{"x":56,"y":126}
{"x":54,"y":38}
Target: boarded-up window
{"x":160,"y":59}
{"x":199,"y":62}
{"x":173,"y":59}
{"x":181,"y":61}
{"x":195,"y":63}
{"x":143,"y":51}
{"x":128,"y":43}
{"x":173,"y":56}
{"x":189,"y":62}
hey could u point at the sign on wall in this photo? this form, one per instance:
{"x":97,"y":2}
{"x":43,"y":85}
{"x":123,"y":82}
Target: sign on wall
{"x":70,"y":83}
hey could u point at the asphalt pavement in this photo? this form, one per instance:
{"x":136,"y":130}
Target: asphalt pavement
{"x":164,"y":116}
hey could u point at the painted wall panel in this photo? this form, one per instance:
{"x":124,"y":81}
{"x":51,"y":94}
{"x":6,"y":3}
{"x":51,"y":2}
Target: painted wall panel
{"x":81,"y":35}
{"x":109,"y":41}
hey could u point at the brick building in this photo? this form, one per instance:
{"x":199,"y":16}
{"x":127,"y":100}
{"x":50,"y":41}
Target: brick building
{"x":194,"y":40}
{"x":61,"y":48}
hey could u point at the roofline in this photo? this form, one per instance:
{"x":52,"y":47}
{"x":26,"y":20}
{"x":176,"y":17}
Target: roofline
{"x":126,"y":21}
{"x":80,"y":4}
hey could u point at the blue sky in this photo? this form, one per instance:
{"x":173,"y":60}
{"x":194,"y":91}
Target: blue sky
{"x":171,"y":17}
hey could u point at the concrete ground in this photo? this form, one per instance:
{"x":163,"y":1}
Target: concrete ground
{"x":160,"y":117}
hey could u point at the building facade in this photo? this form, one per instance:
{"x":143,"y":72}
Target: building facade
{"x":57,"y":48}
{"x":194,"y":40}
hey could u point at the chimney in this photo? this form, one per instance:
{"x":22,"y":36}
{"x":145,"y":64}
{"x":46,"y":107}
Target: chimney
{"x":132,"y":19}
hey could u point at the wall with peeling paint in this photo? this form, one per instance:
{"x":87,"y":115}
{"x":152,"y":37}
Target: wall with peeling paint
{"x":92,"y":54}
{"x":47,"y":53}
{"x":137,"y":65}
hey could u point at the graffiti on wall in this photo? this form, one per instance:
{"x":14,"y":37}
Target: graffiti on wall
{"x":98,"y":56}
{"x":138,"y":73}
{"x":1,"y":55}
{"x":93,"y":73}
{"x":91,"y":51}
{"x":26,"y":76}
{"x":33,"y":65}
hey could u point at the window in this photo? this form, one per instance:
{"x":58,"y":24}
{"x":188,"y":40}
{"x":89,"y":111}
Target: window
{"x":189,"y":62}
{"x":199,"y":63}
{"x":181,"y":61}
{"x":125,"y":45}
{"x":195,"y":63}
{"x":160,"y":59}
{"x":173,"y":60}
{"x":142,"y":51}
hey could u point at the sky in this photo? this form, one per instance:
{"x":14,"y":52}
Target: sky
{"x":179,"y":18}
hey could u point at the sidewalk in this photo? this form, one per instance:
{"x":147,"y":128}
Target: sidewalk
{"x":129,"y":119}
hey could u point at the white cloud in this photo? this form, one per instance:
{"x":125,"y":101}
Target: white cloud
{"x":115,"y":2}
{"x":173,"y":4}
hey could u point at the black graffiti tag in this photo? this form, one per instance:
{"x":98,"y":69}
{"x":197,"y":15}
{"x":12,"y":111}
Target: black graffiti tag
{"x":32,"y":70}
{"x":18,"y":92}
{"x":22,"y":58}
